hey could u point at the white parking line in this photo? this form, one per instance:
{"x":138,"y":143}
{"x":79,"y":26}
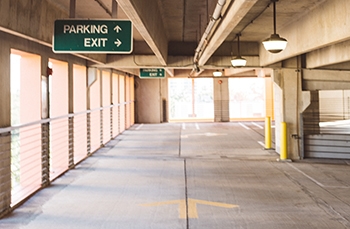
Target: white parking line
{"x":197,"y":126}
{"x":261,"y":143}
{"x":255,"y":124}
{"x":314,"y":180}
{"x":183,"y":126}
{"x":139,"y":127}
{"x":244,"y":126}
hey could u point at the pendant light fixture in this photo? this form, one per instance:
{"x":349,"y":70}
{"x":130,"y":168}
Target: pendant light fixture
{"x":274,"y":43}
{"x":217,"y":73}
{"x":238,"y":61}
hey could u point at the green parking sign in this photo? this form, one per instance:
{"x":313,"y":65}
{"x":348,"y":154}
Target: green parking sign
{"x":152,"y":73}
{"x":92,"y":36}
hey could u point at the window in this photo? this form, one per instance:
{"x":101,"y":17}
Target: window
{"x":191,"y":98}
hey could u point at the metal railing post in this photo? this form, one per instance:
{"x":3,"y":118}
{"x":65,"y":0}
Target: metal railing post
{"x":45,"y":154}
{"x":71,"y":142}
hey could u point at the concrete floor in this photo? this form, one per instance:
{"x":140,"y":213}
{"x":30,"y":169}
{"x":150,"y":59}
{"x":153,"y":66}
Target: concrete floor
{"x":191,"y":175}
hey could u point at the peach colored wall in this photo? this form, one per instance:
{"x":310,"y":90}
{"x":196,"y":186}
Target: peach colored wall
{"x":30,"y":137}
{"x":106,"y":101}
{"x":30,"y":104}
{"x":122,"y":101}
{"x":132,"y":98}
{"x":79,"y":92}
{"x":95,"y":115}
{"x":59,"y":88}
{"x":115,"y":97}
{"x":59,"y":139}
{"x":127,"y":99}
{"x":80,"y":121}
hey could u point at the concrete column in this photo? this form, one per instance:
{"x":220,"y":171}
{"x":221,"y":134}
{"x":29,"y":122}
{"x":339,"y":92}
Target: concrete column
{"x":148,"y":94}
{"x":5,"y":121}
{"x":91,"y":78}
{"x":164,"y":101}
{"x":71,"y":111}
{"x":101,"y":105}
{"x":111,"y":101}
{"x":45,"y":127}
{"x":221,"y":100}
{"x":288,"y":103}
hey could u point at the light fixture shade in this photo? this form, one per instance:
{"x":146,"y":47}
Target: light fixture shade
{"x":217,"y":73}
{"x":275,"y":43}
{"x":238,"y":61}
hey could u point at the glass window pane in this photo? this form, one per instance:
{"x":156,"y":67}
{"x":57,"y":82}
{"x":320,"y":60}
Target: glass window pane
{"x":247,"y":97}
{"x":191,"y":98}
{"x":204,"y":104}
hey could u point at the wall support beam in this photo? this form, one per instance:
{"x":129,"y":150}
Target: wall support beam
{"x":330,"y":55}
{"x":325,"y":80}
{"x":175,"y":62}
{"x":287,"y":108}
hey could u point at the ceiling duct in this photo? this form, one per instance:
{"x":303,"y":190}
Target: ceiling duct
{"x":216,"y":15}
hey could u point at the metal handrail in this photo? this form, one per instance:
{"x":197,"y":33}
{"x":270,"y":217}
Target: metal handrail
{"x":47,"y":120}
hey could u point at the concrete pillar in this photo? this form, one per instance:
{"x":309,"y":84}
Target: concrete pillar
{"x":111,"y":101}
{"x":164,"y":101}
{"x":221,"y":100}
{"x":91,"y":78}
{"x":287,"y":108}
{"x":148,"y":94}
{"x":71,"y":111}
{"x":45,"y":127}
{"x":101,"y":105}
{"x":5,"y":121}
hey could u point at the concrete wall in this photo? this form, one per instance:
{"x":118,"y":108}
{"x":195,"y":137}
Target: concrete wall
{"x":20,"y":30}
{"x":288,"y":106}
{"x":149,"y":95}
{"x":221,"y":100}
{"x":9,"y":42}
{"x":5,"y":120}
{"x":31,"y":18}
{"x":34,"y":20}
{"x":311,"y":32}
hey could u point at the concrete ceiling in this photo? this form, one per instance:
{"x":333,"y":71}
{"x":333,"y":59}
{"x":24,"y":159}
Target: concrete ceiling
{"x":167,"y":32}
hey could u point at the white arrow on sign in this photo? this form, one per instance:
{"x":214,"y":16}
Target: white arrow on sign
{"x":117,"y":29}
{"x":117,"y":42}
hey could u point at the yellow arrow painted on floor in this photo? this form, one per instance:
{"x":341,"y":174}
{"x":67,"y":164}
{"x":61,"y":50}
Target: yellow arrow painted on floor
{"x":192,"y":206}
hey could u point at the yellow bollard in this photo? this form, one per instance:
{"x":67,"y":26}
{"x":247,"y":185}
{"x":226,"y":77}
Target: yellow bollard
{"x":284,"y":154}
{"x":267,"y":133}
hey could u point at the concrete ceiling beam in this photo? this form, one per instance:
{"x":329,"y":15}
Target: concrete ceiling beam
{"x":174,"y":62}
{"x":325,"y":79}
{"x":147,"y":19}
{"x":330,"y":55}
{"x":312,"y":32}
{"x":170,"y":72}
{"x":234,"y":14}
{"x":326,"y":75}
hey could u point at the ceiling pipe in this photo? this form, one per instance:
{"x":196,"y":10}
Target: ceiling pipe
{"x":72,"y":5}
{"x":216,"y":15}
{"x":114,"y":9}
